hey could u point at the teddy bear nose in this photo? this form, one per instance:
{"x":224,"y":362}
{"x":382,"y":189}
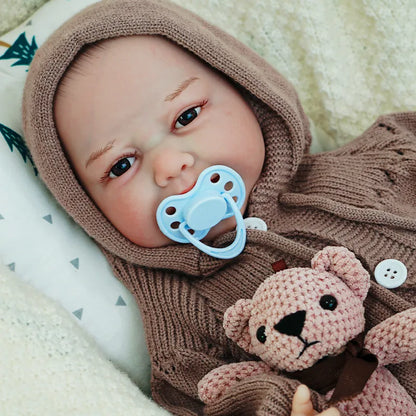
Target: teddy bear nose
{"x":291,"y":324}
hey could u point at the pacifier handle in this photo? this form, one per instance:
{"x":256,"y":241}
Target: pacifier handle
{"x":218,"y":194}
{"x":234,"y":249}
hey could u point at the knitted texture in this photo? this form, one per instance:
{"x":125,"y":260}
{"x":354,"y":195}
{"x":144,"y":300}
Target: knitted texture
{"x":394,"y":340}
{"x":211,"y":387}
{"x":299,"y":316}
{"x":349,"y":61}
{"x":294,"y":299}
{"x":382,"y":395}
{"x":361,"y":196}
{"x":52,"y":367}
{"x":13,"y":12}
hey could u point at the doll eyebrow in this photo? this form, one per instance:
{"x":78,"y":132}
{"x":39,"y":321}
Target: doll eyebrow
{"x":98,"y":153}
{"x":170,"y":97}
{"x":182,"y":86}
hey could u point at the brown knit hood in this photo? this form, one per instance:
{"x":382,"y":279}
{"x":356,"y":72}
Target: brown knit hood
{"x":286,"y":136}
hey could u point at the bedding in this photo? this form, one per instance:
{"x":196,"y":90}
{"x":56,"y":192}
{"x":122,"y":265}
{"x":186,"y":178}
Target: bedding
{"x":38,"y":240}
{"x":350,"y":61}
{"x":50,"y":368}
{"x":13,"y":12}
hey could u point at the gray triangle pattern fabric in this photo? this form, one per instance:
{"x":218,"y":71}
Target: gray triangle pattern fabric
{"x":48,"y":218}
{"x":78,"y":313}
{"x":75,"y":262}
{"x":120,"y":302}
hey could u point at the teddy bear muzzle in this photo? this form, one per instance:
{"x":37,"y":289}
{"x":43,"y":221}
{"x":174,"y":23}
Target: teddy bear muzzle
{"x":292,"y":325}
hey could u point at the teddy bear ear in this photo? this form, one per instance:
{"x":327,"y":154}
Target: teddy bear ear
{"x":343,"y":263}
{"x":235,"y":323}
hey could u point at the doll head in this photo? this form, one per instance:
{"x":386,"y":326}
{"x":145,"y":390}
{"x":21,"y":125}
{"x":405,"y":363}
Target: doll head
{"x":300,"y":315}
{"x":140,"y":118}
{"x":112,"y":135}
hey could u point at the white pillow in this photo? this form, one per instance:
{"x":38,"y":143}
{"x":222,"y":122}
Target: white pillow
{"x":37,"y":239}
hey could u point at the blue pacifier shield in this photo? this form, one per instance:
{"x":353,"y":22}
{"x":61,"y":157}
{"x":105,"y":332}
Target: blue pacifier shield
{"x":218,"y":194}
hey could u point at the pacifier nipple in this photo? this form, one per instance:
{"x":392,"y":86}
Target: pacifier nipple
{"x":219,"y":193}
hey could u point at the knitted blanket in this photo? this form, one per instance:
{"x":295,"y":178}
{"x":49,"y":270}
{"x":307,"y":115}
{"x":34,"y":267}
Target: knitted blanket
{"x":350,"y":61}
{"x":13,"y":12}
{"x":51,"y":368}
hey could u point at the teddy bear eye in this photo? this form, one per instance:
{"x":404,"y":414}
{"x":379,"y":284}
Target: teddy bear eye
{"x":261,"y":334}
{"x":328,"y":302}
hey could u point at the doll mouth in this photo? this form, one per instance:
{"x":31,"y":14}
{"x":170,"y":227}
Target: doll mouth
{"x":306,"y":345}
{"x":188,"y":189}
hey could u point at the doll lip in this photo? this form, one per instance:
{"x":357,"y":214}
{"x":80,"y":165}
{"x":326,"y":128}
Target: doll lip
{"x":187,"y":189}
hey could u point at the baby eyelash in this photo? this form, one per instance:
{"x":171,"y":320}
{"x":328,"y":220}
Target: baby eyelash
{"x":106,"y":176}
{"x":201,"y":104}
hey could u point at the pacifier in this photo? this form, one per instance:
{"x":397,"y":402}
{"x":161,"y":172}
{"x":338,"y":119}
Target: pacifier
{"x":218,"y":194}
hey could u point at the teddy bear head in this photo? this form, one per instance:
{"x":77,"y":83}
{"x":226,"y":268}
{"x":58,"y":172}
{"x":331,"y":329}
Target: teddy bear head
{"x":300,"y":315}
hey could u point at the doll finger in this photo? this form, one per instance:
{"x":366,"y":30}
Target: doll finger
{"x":301,"y":403}
{"x":332,"y":411}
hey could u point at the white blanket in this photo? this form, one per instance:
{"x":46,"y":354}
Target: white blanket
{"x":49,"y":367}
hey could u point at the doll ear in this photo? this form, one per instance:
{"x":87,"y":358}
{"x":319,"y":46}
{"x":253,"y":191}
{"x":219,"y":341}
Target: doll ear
{"x":343,"y":263}
{"x":235,"y":323}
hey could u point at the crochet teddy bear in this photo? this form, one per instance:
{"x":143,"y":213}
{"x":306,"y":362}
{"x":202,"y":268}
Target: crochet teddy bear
{"x":308,"y":323}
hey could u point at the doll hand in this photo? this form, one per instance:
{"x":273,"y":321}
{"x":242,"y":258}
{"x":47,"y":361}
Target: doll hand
{"x":302,"y":404}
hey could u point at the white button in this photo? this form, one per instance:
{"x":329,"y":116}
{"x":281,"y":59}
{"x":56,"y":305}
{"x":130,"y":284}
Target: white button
{"x":253,"y":223}
{"x":390,"y":273}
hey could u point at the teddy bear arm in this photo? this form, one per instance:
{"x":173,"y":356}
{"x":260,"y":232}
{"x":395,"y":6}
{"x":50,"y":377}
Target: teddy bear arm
{"x":217,"y":381}
{"x":394,"y":340}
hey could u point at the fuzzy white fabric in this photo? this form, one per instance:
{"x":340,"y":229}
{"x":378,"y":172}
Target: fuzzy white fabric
{"x":13,"y":12}
{"x":50,"y":367}
{"x":350,"y":61}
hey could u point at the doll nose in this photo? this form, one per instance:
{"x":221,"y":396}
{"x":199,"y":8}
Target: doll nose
{"x":291,"y":324}
{"x":169,"y":163}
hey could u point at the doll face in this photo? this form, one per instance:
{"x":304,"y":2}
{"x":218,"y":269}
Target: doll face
{"x":140,"y":119}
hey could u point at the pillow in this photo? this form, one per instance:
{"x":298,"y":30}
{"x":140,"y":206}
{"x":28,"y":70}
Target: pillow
{"x":38,"y":240}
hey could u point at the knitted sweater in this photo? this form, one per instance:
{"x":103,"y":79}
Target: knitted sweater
{"x":361,"y":196}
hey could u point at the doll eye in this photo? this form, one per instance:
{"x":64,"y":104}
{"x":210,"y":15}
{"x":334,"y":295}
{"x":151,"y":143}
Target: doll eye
{"x":187,"y":117}
{"x":122,"y":166}
{"x":328,"y":302}
{"x":261,"y":334}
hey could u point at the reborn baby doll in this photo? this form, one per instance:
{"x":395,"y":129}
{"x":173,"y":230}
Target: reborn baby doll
{"x":128,"y":103}
{"x":308,"y":324}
